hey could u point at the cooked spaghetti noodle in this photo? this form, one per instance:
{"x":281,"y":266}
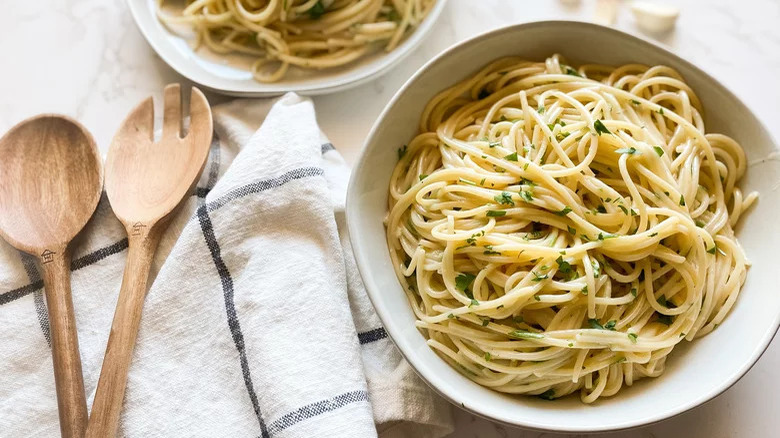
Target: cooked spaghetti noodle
{"x":311,"y":34}
{"x":560,"y":229}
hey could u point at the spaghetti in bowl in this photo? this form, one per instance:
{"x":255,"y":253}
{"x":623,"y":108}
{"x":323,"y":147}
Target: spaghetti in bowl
{"x":225,"y":46}
{"x":526,"y":186}
{"x":561,"y":229}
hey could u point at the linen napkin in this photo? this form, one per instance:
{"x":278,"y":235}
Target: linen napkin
{"x":256,"y":323}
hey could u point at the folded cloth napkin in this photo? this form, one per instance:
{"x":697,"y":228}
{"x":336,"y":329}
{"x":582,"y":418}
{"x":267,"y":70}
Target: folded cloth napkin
{"x":256,"y":323}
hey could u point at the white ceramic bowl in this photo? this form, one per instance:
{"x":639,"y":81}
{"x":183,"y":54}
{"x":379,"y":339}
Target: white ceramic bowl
{"x":229,"y":74}
{"x":696,"y":372}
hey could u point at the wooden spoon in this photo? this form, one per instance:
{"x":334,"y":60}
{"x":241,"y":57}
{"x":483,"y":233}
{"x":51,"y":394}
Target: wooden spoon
{"x":50,"y":184}
{"x":146,"y":182}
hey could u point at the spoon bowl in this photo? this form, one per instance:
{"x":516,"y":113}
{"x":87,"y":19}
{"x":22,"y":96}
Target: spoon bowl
{"x":50,"y":183}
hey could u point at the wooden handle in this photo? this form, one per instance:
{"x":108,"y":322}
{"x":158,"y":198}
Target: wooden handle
{"x":71,"y":402}
{"x":110,"y":394}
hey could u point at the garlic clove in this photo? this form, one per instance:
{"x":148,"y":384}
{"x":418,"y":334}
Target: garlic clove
{"x":654,"y":17}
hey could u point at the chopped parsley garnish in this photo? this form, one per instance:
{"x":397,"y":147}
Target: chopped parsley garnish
{"x":570,"y":71}
{"x":633,"y":291}
{"x":511,"y":157}
{"x":603,"y":236}
{"x":472,"y":240}
{"x":526,"y":195}
{"x":482,"y":182}
{"x":563,"y":266}
{"x":633,"y":337}
{"x":625,"y":210}
{"x":662,"y":300}
{"x":552,"y":125}
{"x":566,"y":210}
{"x":584,"y":290}
{"x":713,"y":249}
{"x":526,"y":182}
{"x":661,"y":111}
{"x":505,"y":198}
{"x":474,"y":303}
{"x":610,"y":325}
{"x":596,"y":268}
{"x":485,"y":322}
{"x":525,"y":166}
{"x":699,"y":223}
{"x":488,"y":357}
{"x":465,"y":181}
{"x":524,"y":334}
{"x":653,"y":234}
{"x":489,"y":250}
{"x":495,"y":213}
{"x":401,"y":150}
{"x":538,"y":277}
{"x":594,"y":323}
{"x":450,"y":316}
{"x":600,"y":128}
{"x":518,"y":319}
{"x":463,"y":281}
{"x":316,"y":11}
{"x":682,"y":200}
{"x":571,"y":230}
{"x":540,"y":110}
{"x":547,"y":395}
{"x":636,"y":102}
{"x":422,"y":177}
{"x":659,"y":150}
{"x":631,"y":151}
{"x":493,"y":144}
{"x":601,"y":209}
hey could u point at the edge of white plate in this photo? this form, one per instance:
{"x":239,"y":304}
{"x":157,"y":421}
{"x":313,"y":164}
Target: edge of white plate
{"x":340,"y":82}
{"x":395,"y":333}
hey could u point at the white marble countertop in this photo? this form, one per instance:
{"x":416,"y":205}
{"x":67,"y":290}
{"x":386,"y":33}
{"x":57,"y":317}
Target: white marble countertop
{"x":87,"y":59}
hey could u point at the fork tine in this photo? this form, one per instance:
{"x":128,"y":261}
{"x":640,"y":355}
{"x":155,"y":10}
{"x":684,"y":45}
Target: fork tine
{"x":201,"y":125}
{"x":172,"y":111}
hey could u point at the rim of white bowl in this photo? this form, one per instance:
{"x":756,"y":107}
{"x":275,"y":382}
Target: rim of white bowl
{"x":347,"y":79}
{"x":394,"y":332}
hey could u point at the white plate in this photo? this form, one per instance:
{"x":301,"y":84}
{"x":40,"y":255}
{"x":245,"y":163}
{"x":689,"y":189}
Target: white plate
{"x":695,"y":372}
{"x":230,"y":74}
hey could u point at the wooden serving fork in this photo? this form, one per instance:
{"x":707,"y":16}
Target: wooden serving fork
{"x":145,"y":181}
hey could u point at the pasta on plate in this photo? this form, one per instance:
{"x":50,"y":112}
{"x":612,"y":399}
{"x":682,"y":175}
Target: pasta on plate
{"x":561,"y":229}
{"x":309,"y":34}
